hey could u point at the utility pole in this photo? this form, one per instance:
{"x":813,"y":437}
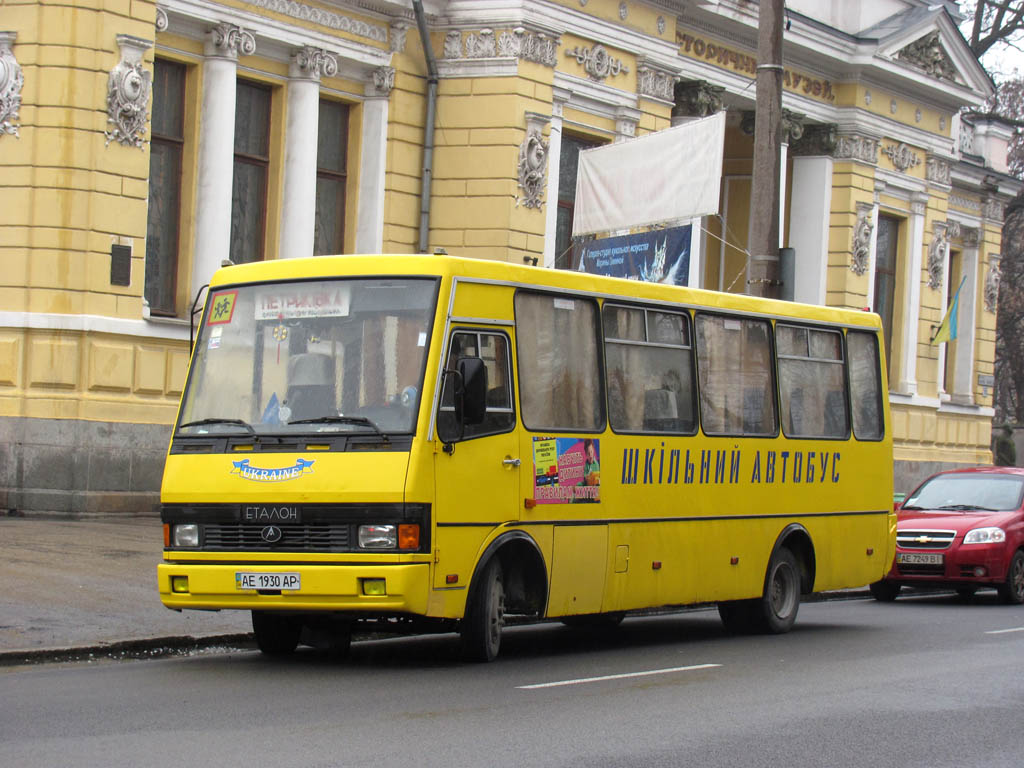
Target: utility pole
{"x":763,"y":276}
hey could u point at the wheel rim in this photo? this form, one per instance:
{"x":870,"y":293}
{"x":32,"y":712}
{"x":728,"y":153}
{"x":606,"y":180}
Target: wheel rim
{"x":1017,"y":577}
{"x":782,"y":596}
{"x":496,"y":615}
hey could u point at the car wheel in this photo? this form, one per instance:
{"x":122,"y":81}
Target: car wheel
{"x":1012,"y":591}
{"x":485,"y":616}
{"x":276,"y":635}
{"x":884,"y":591}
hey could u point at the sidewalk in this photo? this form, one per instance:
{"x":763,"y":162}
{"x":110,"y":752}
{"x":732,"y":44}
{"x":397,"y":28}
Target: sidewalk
{"x":80,"y":584}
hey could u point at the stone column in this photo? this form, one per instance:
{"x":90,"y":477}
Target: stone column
{"x":217,"y":150}
{"x":912,"y":297}
{"x":298,"y":205}
{"x":373,"y":161}
{"x":967,"y":321}
{"x":554,"y":157}
{"x":809,"y":216}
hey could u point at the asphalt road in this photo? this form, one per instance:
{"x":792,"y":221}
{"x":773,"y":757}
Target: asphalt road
{"x":925,"y":682}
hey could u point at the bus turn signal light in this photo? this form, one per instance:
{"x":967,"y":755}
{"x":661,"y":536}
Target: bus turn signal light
{"x":409,"y":536}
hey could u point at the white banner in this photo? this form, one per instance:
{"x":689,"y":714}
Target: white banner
{"x":659,"y":178}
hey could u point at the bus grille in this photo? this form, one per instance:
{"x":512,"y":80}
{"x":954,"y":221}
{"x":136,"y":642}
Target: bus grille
{"x":925,"y":540}
{"x":323,"y":537}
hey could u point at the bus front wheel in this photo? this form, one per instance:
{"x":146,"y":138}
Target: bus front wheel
{"x":485,"y":615}
{"x":276,"y":634}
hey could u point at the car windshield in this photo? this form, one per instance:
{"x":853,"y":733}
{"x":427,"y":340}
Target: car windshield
{"x":968,"y":491}
{"x":314,"y":356}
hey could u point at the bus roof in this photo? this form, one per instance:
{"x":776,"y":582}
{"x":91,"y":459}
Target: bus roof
{"x":445,"y":266}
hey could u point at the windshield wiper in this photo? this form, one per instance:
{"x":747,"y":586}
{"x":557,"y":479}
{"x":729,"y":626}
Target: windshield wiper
{"x":357,"y":420}
{"x":964,"y":507}
{"x":203,"y":422}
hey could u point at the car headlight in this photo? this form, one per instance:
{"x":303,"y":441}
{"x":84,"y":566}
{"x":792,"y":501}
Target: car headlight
{"x":186,"y":535}
{"x":378,"y":537}
{"x":991,"y":535}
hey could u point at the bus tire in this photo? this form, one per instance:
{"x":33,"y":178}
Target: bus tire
{"x":775,"y":612}
{"x":737,"y":616}
{"x":276,"y":634}
{"x":485,"y":615}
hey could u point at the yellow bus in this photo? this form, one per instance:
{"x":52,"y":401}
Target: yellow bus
{"x":432,"y":442}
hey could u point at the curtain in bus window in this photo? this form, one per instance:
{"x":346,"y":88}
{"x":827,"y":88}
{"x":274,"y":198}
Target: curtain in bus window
{"x":559,"y":383}
{"x":865,"y":385}
{"x":735,"y":374}
{"x":811,"y":382}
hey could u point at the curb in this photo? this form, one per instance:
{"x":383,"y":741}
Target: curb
{"x":149,"y":648}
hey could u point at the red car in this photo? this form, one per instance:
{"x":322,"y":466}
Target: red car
{"x":962,"y":529}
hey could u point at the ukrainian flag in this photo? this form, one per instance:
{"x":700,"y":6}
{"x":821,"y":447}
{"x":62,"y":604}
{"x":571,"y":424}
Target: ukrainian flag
{"x":947,"y":328}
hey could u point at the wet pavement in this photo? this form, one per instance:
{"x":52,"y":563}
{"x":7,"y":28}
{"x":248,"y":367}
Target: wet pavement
{"x":89,"y":584}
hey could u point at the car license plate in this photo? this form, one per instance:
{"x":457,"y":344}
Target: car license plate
{"x":919,"y":558}
{"x":250,"y":580}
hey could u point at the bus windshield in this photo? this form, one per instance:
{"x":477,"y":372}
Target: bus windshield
{"x":312,"y":356}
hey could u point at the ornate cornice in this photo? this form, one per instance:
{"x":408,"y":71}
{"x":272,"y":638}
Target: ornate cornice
{"x":697,"y":98}
{"x":530,"y":46}
{"x":597,"y":62}
{"x":902,"y":156}
{"x":383,"y":81}
{"x":937,"y":170}
{"x":399,"y":30}
{"x":11,"y":82}
{"x":655,"y":82}
{"x":819,"y":139}
{"x":860,"y":148}
{"x":533,"y":161}
{"x":325,"y":18}
{"x":862,"y":230}
{"x":128,"y":89}
{"x":928,"y":54}
{"x":965,"y":202}
{"x":229,"y":40}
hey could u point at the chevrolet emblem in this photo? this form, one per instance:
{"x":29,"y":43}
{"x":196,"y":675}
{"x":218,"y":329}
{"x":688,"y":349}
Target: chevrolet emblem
{"x":923,"y":539}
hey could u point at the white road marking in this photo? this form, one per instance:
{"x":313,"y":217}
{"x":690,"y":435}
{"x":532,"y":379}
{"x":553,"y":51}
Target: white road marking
{"x":1004,"y":631}
{"x":617,"y":677}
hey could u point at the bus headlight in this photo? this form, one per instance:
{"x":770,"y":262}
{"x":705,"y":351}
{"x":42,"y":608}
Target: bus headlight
{"x":378,"y":537}
{"x":186,"y":535}
{"x":991,"y":535}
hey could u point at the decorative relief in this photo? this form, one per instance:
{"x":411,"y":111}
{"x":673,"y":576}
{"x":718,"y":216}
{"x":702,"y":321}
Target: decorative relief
{"x":937,"y":256}
{"x":820,"y":139}
{"x":893,"y":106}
{"x":399,"y":30}
{"x":971,"y":237}
{"x":867,"y":98}
{"x":917,"y":116}
{"x":993,"y":209}
{"x":966,"y":138}
{"x":11,"y":82}
{"x":533,"y":161}
{"x":902,"y":156}
{"x":453,"y":44}
{"x":324,"y":18}
{"x":128,"y":88}
{"x":313,"y":63}
{"x":942,"y":123}
{"x":661,"y":25}
{"x":965,"y":202}
{"x":937,"y":170}
{"x":928,"y":54}
{"x":656,"y":83}
{"x":953,"y":229}
{"x":697,"y":98}
{"x":161,"y":19}
{"x":231,"y":40}
{"x":862,"y":239}
{"x":623,"y":11}
{"x":520,"y":44}
{"x":992,"y":278}
{"x":859,"y":148}
{"x":792,"y":125}
{"x":597,"y":62}
{"x":481,"y":46}
{"x":383,"y":80}
{"x":626,"y":127}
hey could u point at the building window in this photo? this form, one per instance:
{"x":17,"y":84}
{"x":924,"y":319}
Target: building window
{"x":252,"y":159}
{"x":165,"y":160}
{"x":331,"y":176}
{"x":887,"y":245}
{"x":567,"y":252}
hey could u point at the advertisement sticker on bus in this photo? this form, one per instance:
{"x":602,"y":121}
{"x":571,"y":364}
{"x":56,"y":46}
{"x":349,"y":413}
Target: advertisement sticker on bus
{"x":222,"y":308}
{"x":309,"y":300}
{"x":566,"y":470}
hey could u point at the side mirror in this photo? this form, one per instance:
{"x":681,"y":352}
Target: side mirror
{"x":473,"y":373}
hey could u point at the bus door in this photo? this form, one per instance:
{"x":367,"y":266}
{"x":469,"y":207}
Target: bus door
{"x":477,"y":475}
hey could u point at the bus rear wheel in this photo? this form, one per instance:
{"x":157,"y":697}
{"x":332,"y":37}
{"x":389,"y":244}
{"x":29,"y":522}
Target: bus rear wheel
{"x":485,"y":615}
{"x":775,"y":611}
{"x":276,"y":634}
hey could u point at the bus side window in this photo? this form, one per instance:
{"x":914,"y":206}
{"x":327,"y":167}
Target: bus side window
{"x":812,"y":382}
{"x":493,"y":349}
{"x":649,"y":367}
{"x":865,"y":385}
{"x":735,"y":373}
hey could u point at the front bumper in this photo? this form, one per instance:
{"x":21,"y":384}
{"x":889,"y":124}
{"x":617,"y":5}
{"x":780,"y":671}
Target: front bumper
{"x":324,"y":588}
{"x":958,"y":567}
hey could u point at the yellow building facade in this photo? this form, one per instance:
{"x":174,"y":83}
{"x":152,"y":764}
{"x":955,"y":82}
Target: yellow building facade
{"x":141,"y":144}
